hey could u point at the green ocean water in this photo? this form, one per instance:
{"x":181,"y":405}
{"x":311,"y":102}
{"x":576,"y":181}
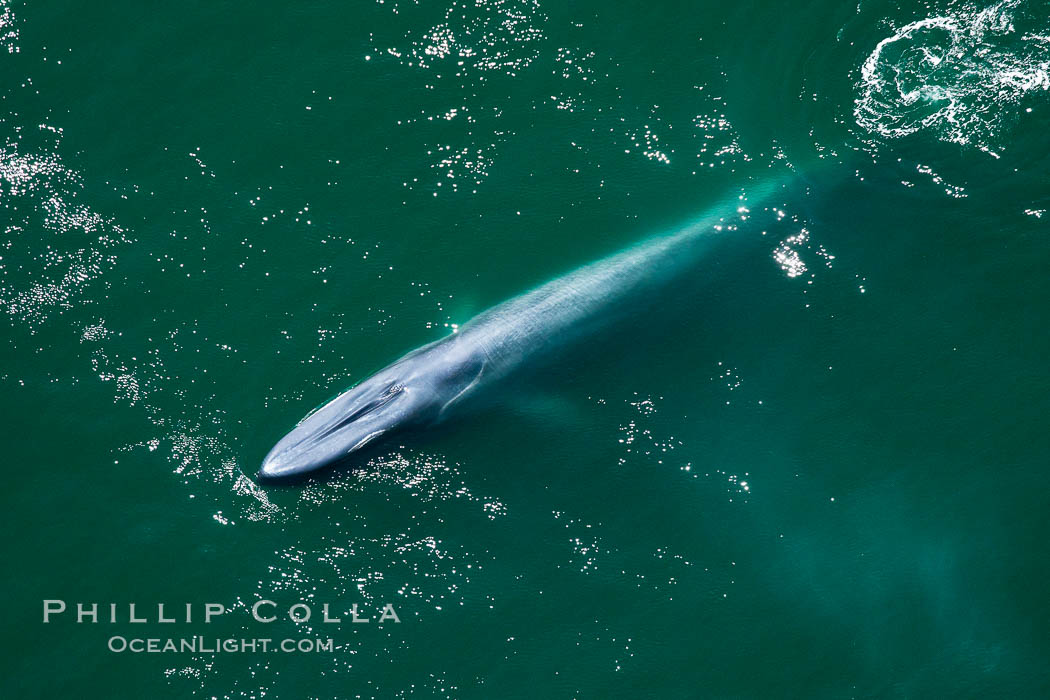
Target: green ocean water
{"x":817,"y":468}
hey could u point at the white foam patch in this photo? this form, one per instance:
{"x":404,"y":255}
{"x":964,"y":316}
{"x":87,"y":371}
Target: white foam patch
{"x":960,"y":75}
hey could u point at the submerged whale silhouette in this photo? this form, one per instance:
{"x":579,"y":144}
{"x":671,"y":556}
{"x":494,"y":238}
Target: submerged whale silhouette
{"x":432,"y":383}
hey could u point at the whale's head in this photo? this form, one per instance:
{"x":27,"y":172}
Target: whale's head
{"x":413,"y":391}
{"x":378,"y":406}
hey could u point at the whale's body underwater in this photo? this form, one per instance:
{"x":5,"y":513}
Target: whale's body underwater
{"x":433,"y":382}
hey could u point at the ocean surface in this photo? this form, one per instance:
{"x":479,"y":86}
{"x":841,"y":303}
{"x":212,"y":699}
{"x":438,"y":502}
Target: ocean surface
{"x":816,"y":468}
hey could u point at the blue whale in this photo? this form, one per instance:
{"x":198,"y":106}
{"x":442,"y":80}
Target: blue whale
{"x":432,"y":383}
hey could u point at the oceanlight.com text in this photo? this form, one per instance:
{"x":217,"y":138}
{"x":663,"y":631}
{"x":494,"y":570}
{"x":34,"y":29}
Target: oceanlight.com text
{"x":205,"y":645}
